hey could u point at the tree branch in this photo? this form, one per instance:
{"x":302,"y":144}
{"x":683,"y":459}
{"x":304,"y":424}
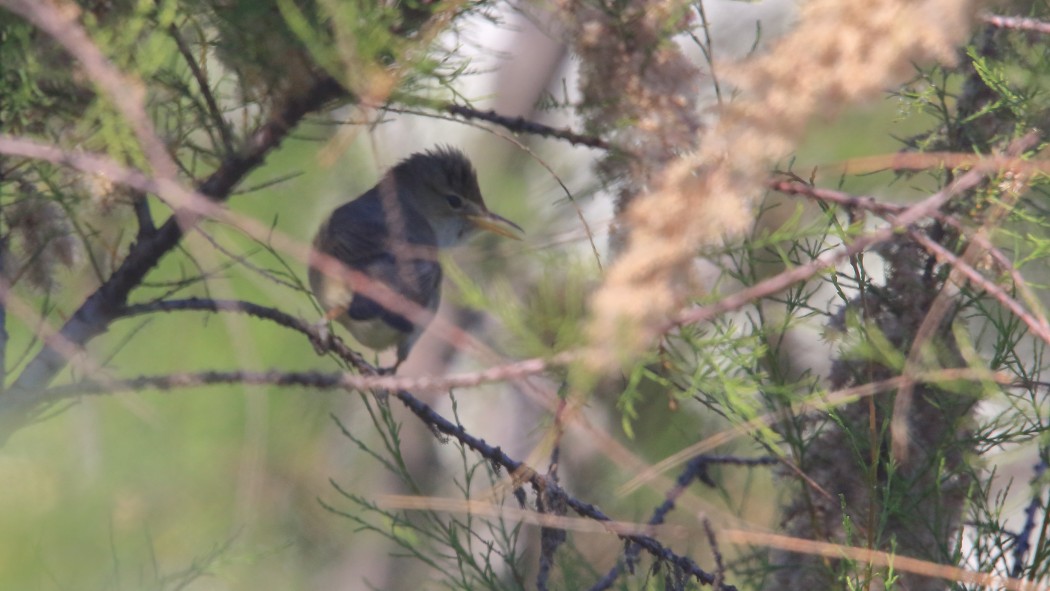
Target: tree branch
{"x":522,"y":125}
{"x":695,"y":469}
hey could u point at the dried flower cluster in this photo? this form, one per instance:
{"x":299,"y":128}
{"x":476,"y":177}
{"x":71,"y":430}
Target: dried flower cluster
{"x":840,"y":52}
{"x":639,"y":90}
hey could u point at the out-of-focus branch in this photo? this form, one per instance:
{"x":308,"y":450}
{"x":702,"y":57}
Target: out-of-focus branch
{"x":899,"y":563}
{"x":312,"y":379}
{"x":1017,"y":23}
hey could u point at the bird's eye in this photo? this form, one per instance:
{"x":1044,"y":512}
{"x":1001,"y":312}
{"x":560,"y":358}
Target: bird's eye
{"x":454,"y":201}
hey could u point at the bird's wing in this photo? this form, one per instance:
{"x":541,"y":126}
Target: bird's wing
{"x":417,"y":282}
{"x":358,"y":235}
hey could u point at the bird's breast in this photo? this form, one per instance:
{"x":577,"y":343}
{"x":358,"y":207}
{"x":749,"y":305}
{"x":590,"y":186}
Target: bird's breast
{"x":374,"y":333}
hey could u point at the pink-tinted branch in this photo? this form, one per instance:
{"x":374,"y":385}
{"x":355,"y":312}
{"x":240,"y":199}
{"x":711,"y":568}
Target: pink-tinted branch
{"x":1017,"y":23}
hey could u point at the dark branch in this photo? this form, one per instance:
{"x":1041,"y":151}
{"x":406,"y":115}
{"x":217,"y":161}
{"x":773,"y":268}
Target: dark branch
{"x":142,"y":213}
{"x":286,"y":320}
{"x":695,"y":469}
{"x":720,"y":564}
{"x":522,"y":125}
{"x":1024,"y":539}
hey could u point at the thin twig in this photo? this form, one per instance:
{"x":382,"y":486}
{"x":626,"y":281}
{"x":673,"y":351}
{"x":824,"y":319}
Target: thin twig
{"x":314,"y":379}
{"x":522,"y":125}
{"x":1024,"y":542}
{"x":720,"y":565}
{"x":243,"y":260}
{"x":695,"y":469}
{"x":202,"y":82}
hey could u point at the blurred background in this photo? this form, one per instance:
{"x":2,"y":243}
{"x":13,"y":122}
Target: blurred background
{"x":231,"y":488}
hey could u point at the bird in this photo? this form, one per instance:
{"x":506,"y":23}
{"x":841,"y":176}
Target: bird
{"x":390,"y":235}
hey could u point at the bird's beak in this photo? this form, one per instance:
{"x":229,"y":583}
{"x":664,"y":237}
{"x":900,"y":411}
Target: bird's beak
{"x":496,"y":224}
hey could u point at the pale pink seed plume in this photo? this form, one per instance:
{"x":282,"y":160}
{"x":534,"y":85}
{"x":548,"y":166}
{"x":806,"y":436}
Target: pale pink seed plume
{"x":840,"y":53}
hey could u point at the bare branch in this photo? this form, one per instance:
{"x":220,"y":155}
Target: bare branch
{"x":720,"y":565}
{"x":695,"y":469}
{"x":326,"y":381}
{"x":522,"y":125}
{"x":142,"y":213}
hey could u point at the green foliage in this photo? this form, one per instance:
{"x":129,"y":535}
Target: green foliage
{"x":463,"y":551}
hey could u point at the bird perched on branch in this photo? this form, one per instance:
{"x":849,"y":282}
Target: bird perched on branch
{"x":374,"y":265}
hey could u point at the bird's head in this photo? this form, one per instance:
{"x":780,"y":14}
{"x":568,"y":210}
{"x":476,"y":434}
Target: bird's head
{"x":441,"y":184}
